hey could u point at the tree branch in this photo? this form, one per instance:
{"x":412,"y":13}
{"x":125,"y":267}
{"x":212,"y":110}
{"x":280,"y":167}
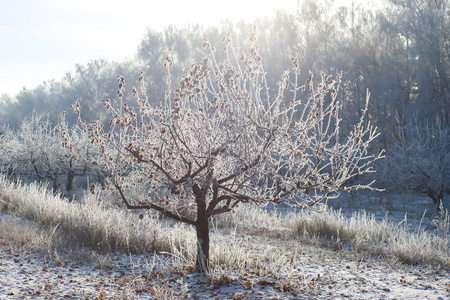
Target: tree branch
{"x":154,"y":207}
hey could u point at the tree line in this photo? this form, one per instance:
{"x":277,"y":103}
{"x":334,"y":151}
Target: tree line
{"x":400,"y":51}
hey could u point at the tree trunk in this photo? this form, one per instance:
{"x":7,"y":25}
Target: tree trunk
{"x":70,"y":177}
{"x":202,"y":227}
{"x":438,"y":199}
{"x":55,"y":184}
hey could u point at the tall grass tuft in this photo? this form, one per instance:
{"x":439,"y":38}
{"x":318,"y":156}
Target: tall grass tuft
{"x":364,"y":232}
{"x":361,"y":231}
{"x":92,"y":223}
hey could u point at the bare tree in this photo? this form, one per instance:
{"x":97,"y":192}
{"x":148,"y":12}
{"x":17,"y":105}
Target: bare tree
{"x":35,"y":151}
{"x":419,"y":159}
{"x":221,"y":138}
{"x":9,"y":147}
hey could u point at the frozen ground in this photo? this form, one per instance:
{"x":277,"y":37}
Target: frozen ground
{"x":288,"y":269}
{"x":312,"y":274}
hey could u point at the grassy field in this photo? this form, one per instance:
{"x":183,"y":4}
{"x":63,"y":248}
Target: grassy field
{"x":270,"y":253}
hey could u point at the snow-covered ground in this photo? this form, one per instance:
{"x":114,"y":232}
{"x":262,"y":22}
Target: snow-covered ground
{"x":313,"y":273}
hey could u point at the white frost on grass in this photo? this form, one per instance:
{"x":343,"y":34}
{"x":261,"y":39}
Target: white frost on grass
{"x":312,"y":274}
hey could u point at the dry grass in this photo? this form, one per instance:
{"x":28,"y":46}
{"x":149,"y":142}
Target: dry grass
{"x":364,"y":233}
{"x":25,"y":236}
{"x":361,"y":232}
{"x":56,"y":223}
{"x":93,"y":223}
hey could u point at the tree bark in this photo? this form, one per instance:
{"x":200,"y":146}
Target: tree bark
{"x":55,"y":184}
{"x":202,"y":227}
{"x":437,"y":198}
{"x":70,"y":177}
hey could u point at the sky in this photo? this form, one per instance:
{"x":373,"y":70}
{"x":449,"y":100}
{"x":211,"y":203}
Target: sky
{"x":43,"y":39}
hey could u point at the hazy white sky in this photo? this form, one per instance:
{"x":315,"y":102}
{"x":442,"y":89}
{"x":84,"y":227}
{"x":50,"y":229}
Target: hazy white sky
{"x":43,"y":39}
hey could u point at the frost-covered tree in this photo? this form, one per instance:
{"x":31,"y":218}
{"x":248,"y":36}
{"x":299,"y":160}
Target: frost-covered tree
{"x":35,"y":151}
{"x":424,"y":26}
{"x":222,"y":138}
{"x":29,"y":149}
{"x":419,"y":159}
{"x":9,"y":146}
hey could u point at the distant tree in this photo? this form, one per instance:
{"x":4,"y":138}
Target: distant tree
{"x":424,"y":27}
{"x":5,"y":99}
{"x":221,"y":138}
{"x":419,"y":159}
{"x":9,"y":146}
{"x":151,"y":52}
{"x":35,"y":151}
{"x":7,"y":109}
